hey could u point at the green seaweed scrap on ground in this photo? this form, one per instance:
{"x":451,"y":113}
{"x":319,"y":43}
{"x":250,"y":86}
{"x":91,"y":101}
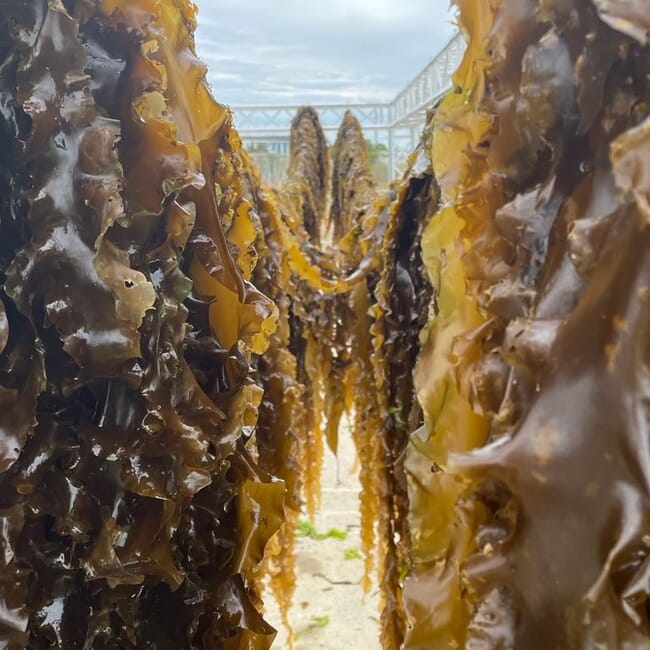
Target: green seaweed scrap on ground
{"x":306,"y":529}
{"x":317,"y":622}
{"x":352,"y":554}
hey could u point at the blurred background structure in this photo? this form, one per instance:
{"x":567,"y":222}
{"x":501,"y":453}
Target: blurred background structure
{"x":392,"y":129}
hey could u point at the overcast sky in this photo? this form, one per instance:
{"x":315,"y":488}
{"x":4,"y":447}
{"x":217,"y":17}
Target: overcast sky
{"x":318,"y":51}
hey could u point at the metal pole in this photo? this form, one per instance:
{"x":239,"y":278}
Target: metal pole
{"x":391,"y":154}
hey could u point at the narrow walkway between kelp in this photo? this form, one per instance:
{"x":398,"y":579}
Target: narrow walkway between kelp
{"x":330,"y":611}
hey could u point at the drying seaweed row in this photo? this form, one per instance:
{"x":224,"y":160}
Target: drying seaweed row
{"x":133,"y":513}
{"x":529,"y":484}
{"x":353,"y":301}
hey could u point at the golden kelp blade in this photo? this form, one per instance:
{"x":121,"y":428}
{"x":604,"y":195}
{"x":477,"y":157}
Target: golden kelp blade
{"x":303,"y":210}
{"x":350,"y":384}
{"x":352,"y":194}
{"x":353,"y":190}
{"x":282,"y":434}
{"x":309,"y":172}
{"x":132,"y":509}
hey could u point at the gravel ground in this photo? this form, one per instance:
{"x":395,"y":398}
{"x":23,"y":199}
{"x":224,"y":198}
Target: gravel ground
{"x":330,"y":610}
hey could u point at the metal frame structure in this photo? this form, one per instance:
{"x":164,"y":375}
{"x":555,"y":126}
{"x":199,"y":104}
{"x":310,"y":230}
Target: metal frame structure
{"x":398,"y":122}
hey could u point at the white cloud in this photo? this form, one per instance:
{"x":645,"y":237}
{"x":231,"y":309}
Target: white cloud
{"x":292,"y":51}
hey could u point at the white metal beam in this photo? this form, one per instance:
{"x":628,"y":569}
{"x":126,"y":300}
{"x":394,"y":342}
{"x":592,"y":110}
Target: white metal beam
{"x":407,"y":112}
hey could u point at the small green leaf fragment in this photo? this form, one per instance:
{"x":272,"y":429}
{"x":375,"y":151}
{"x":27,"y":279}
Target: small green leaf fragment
{"x":317,"y":622}
{"x":305,"y":529}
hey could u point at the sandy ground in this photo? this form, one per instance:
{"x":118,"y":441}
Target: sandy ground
{"x":330,"y":610}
